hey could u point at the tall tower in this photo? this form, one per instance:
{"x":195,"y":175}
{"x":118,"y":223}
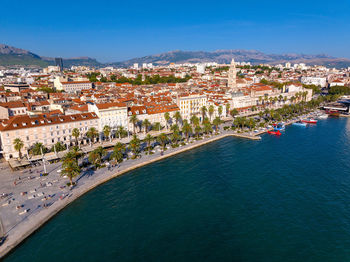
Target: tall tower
{"x":59,"y":63}
{"x":232,"y":84}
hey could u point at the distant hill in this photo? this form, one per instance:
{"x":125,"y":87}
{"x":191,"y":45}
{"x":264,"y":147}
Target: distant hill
{"x":14,"y":56}
{"x":10,"y":56}
{"x":225,"y":56}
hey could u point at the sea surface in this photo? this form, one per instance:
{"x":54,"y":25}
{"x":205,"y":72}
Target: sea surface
{"x":279,"y":199}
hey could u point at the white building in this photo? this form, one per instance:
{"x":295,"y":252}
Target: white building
{"x":191,"y":104}
{"x":318,"y":81}
{"x":110,"y":114}
{"x":200,"y":68}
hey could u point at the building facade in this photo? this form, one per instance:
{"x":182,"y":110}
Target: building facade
{"x":46,"y":130}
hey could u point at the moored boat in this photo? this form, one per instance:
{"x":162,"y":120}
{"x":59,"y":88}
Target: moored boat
{"x":277,"y":133}
{"x":309,"y":121}
{"x":279,"y":127}
{"x":333,"y":113}
{"x":299,"y":123}
{"x":323,"y":116}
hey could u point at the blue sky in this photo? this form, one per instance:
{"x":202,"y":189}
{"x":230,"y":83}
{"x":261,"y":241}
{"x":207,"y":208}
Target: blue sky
{"x":119,"y":30}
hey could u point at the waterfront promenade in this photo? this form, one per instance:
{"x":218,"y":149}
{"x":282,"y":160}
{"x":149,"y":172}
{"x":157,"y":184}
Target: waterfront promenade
{"x":22,"y":214}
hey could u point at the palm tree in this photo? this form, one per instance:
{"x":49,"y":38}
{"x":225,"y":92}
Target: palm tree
{"x":156,"y":126}
{"x":120,"y":131}
{"x":207,"y":128}
{"x":148,"y":139}
{"x":146,"y":123}
{"x":18,"y":144}
{"x":174,"y":128}
{"x":260,"y":100}
{"x":234,"y":112}
{"x":91,"y":134}
{"x":118,"y":152}
{"x":220,"y":111}
{"x":76,"y":134}
{"x":197,"y":130}
{"x":216,"y":123}
{"x":280,"y":98}
{"x":107,"y":131}
{"x":162,"y":140}
{"x":37,"y":148}
{"x":211,"y":111}
{"x":204,"y":112}
{"x":73,"y":155}
{"x":227,"y":109}
{"x":134,"y":145}
{"x":167,"y":118}
{"x":177,"y":117}
{"x":194,"y":120}
{"x":186,"y":129}
{"x":96,"y":156}
{"x":133,"y":119}
{"x":175,"y":137}
{"x":71,"y":169}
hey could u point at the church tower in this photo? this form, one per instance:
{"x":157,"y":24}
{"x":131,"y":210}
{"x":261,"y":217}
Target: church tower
{"x":232,"y":84}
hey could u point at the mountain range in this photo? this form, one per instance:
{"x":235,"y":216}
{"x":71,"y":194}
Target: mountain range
{"x":10,"y":56}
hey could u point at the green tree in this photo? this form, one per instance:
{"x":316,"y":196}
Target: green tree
{"x":121,"y":132}
{"x":148,"y":139}
{"x":204,"y":112}
{"x":228,"y":106}
{"x":167,"y":118}
{"x":216,"y":123}
{"x":133,"y":119}
{"x":194,"y":120}
{"x":197,"y":130}
{"x":175,"y":137}
{"x":71,"y":169}
{"x":146,"y":124}
{"x":211,"y":111}
{"x":162,"y":139}
{"x":37,"y":148}
{"x":118,"y":152}
{"x":234,"y":112}
{"x":76,"y":134}
{"x":92,"y":134}
{"x":134,"y":145}
{"x":96,"y":156}
{"x":58,"y":147}
{"x":207,"y":128}
{"x":220,"y":111}
{"x":177,"y":117}
{"x":186,"y":129}
{"x":107,"y":132}
{"x":18,"y":145}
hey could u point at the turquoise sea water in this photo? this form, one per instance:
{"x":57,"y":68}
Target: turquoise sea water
{"x":279,"y":199}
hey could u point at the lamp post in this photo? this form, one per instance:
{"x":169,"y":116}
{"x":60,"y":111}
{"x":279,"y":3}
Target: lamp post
{"x":43,"y":158}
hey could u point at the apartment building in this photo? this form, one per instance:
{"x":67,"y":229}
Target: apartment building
{"x":191,"y":104}
{"x":43,"y":129}
{"x":111,"y":114}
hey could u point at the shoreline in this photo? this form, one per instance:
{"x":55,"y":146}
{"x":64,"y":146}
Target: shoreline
{"x":37,"y":220}
{"x":41,"y":218}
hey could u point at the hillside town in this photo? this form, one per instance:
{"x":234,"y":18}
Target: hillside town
{"x":45,"y":107}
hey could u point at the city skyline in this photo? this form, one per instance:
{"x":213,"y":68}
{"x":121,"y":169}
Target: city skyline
{"x":116,"y":31}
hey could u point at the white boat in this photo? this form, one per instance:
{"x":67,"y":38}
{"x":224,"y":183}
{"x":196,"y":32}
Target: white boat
{"x":324,"y":116}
